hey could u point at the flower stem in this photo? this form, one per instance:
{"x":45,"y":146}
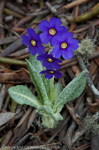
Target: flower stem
{"x":50,"y":48}
{"x":51,"y":89}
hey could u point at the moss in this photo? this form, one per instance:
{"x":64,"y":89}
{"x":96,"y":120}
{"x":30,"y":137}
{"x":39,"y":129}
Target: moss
{"x":91,"y":124}
{"x":86,"y":49}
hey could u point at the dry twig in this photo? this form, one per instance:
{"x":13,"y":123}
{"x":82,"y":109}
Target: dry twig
{"x":89,"y":81}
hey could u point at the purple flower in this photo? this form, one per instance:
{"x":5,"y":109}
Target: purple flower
{"x":64,"y":45}
{"x":49,"y":61}
{"x":49,"y":73}
{"x":50,"y":29}
{"x":33,"y":41}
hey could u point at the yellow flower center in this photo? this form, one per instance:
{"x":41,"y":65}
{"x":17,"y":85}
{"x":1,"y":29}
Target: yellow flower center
{"x":33,"y":42}
{"x":64,"y":45}
{"x":49,"y":59}
{"x":51,"y":72}
{"x":52,"y":31}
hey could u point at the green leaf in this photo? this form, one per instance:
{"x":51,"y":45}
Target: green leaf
{"x":35,"y":63}
{"x":71,"y":91}
{"x":49,"y":119}
{"x":57,"y":90}
{"x":39,"y":67}
{"x":39,"y":84}
{"x":22,"y":95}
{"x":49,"y":111}
{"x":45,"y":110}
{"x":51,"y":90}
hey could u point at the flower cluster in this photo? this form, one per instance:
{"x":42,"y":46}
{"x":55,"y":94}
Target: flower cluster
{"x":58,"y":36}
{"x":50,"y":62}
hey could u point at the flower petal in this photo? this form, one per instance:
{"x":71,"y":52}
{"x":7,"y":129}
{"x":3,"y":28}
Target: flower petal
{"x":25,"y":40}
{"x":62,"y":29}
{"x":30,"y":32}
{"x":32,"y":50}
{"x":46,"y":64}
{"x":66,"y":36}
{"x":73,"y":44}
{"x":55,"y":22}
{"x":74,"y":47}
{"x":58,"y":60}
{"x":36,"y":37}
{"x":44,"y":25}
{"x":43,"y":72}
{"x":67,"y":54}
{"x":55,"y":65}
{"x":49,"y":75}
{"x":58,"y":74}
{"x":40,"y":49}
{"x":41,"y":57}
{"x":56,"y":52}
{"x":45,"y":38}
{"x":55,"y":40}
{"x":74,"y":41}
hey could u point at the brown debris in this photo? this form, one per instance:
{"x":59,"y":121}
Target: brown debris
{"x":11,"y":48}
{"x":5,"y":117}
{"x":8,"y":76}
{"x":6,"y":138}
{"x":2,"y":3}
{"x":75,"y":3}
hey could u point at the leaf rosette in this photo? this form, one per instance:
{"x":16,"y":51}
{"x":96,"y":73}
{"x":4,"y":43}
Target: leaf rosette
{"x":51,"y":97}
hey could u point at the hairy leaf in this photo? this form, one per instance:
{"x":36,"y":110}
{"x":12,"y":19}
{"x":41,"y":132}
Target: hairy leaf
{"x":39,"y":67}
{"x":57,"y":90}
{"x":39,"y":84}
{"x":47,"y":111}
{"x":35,"y":63}
{"x":49,"y":119}
{"x":71,"y":91}
{"x":22,"y":95}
